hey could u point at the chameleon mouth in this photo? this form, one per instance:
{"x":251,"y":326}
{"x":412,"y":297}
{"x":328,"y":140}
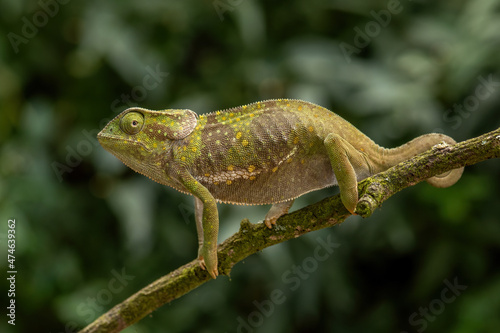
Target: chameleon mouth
{"x":112,"y":141}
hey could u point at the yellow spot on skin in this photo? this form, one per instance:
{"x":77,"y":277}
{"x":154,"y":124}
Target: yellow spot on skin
{"x":238,"y":135}
{"x":302,"y":161}
{"x":183,"y":158}
{"x":251,"y":168}
{"x":252,"y":178}
{"x":155,"y":145}
{"x":231,"y":114}
{"x":252,"y":115}
{"x":193,"y":149}
{"x":223,"y":118}
{"x":299,"y":108}
{"x":289,"y":160}
{"x":229,"y":182}
{"x":310,"y":129}
{"x":237,"y":119}
{"x":296,"y":140}
{"x":230,"y":168}
{"x":207,"y":175}
{"x":244,"y":143}
{"x":275,"y":169}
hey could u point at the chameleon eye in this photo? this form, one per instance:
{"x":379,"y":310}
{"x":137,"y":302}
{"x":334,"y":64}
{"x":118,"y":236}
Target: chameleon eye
{"x":132,"y":122}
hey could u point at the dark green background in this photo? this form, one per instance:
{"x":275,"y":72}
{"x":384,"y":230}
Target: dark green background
{"x":77,"y":229}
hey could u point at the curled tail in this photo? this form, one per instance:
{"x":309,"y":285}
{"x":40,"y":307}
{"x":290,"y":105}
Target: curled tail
{"x":417,"y":146}
{"x":448,"y":178}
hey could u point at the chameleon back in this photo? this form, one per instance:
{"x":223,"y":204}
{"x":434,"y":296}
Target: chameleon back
{"x":261,"y":153}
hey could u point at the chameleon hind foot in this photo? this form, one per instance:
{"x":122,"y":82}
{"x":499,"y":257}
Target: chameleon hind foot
{"x":277,"y":210}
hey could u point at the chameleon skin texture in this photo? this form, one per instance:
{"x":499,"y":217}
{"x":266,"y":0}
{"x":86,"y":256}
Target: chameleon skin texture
{"x":268,"y":152}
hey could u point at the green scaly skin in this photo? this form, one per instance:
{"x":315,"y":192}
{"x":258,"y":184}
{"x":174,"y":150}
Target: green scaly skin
{"x":268,"y":152}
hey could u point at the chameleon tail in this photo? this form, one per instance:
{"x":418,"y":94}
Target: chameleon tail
{"x":417,"y":146}
{"x":446,"y":179}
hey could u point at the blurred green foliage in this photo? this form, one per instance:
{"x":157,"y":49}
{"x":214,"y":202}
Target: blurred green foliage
{"x":90,"y":232}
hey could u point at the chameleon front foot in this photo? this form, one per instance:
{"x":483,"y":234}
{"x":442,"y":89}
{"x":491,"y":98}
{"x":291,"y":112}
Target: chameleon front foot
{"x":208,"y":262}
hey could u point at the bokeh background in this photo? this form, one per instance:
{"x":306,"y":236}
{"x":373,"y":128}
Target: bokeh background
{"x":90,"y":232}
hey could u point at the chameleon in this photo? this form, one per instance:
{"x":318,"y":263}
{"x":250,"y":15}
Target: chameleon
{"x":267,"y":152}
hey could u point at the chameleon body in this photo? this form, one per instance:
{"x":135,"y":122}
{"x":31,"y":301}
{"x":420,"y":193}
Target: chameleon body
{"x":268,"y":152}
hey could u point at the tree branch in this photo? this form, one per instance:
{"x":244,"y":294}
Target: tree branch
{"x":252,"y":238}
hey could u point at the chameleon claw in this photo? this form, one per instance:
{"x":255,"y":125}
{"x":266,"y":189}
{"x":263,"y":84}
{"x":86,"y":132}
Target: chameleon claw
{"x":270,"y":222}
{"x":213,"y":272}
{"x":352,"y":209}
{"x":202,"y":263}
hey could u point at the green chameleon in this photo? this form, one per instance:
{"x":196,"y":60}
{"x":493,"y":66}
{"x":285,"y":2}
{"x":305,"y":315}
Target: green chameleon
{"x":268,"y":152}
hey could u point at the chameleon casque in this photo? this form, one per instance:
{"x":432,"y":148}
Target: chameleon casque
{"x":268,"y":152}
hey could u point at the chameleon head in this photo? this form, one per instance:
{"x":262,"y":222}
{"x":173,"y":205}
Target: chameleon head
{"x":141,"y":138}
